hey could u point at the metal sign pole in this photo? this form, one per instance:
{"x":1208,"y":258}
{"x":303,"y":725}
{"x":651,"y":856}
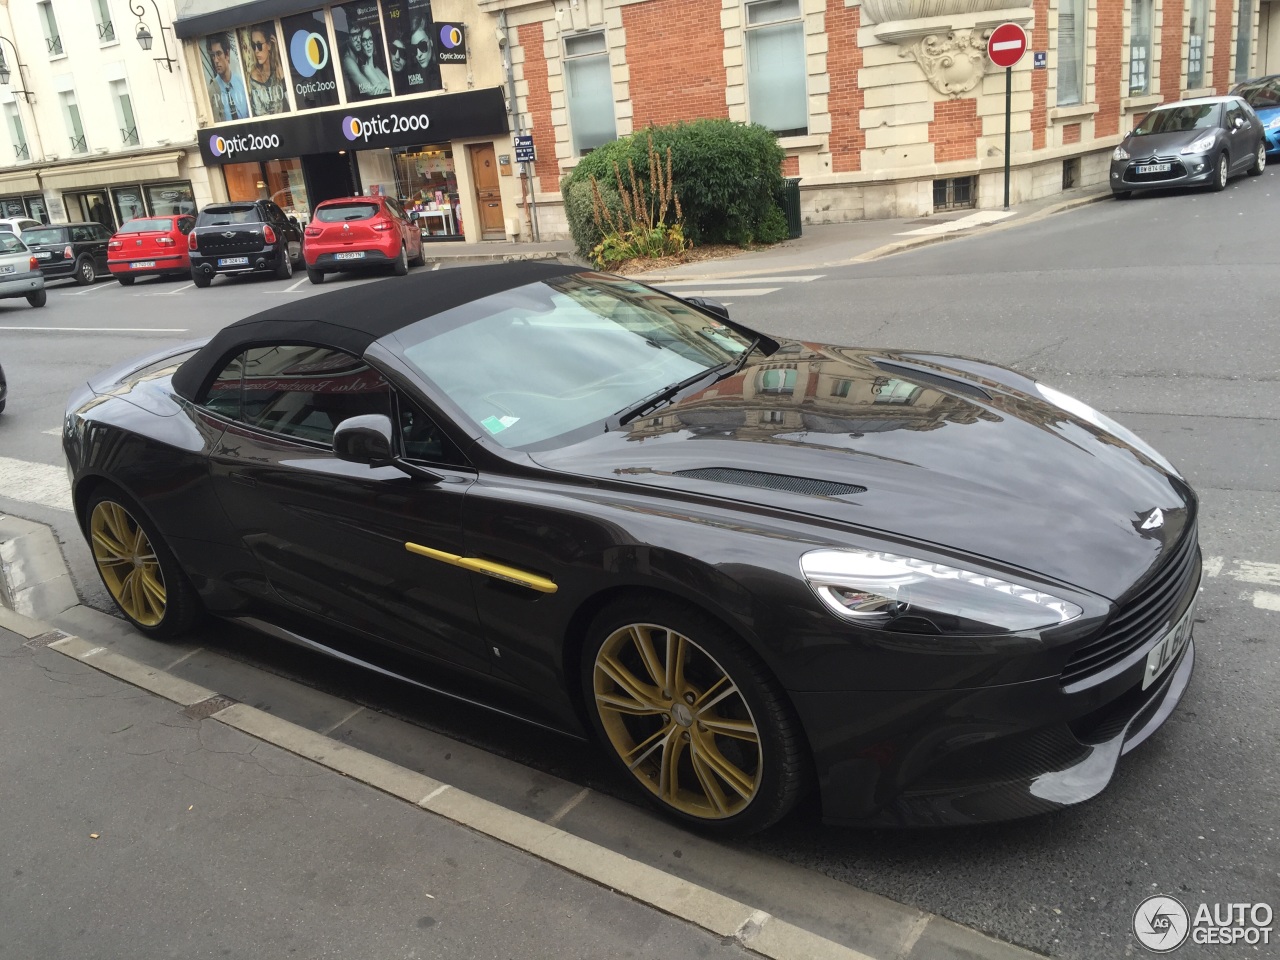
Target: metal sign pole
{"x":1008,"y":112}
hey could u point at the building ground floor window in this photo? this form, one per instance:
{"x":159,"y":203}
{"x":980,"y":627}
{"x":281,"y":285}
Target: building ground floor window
{"x":115,"y":205}
{"x":30,"y":205}
{"x":282,"y":181}
{"x":426,"y":184}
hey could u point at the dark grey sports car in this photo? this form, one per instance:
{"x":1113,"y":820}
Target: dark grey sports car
{"x":934,"y":588}
{"x":1205,"y":141}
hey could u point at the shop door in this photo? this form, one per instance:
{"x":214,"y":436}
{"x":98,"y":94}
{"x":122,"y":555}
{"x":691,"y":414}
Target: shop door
{"x":328,"y":176}
{"x":484,"y":174}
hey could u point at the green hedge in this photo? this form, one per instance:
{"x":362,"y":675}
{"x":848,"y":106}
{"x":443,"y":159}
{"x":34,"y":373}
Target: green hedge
{"x":727,"y":176}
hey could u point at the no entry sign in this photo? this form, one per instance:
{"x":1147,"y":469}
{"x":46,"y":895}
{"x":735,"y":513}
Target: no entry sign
{"x":1007,"y":44}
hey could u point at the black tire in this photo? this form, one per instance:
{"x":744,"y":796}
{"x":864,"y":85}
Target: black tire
{"x":1259,"y":161}
{"x":315,"y":276}
{"x":420,"y":259}
{"x":125,"y":281}
{"x":1221,"y":174}
{"x":201,"y":280}
{"x":401,"y":265}
{"x":148,"y":586}
{"x":771,"y":764}
{"x":38,"y":298}
{"x":86,"y":272}
{"x":1122,"y":194}
{"x":284,"y":266}
{"x":2,"y":403}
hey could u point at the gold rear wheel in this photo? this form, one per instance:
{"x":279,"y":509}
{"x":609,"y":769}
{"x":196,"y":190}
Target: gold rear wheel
{"x":678,"y":721}
{"x":128,"y":563}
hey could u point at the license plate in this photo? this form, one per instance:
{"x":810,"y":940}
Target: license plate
{"x":1154,"y":168}
{"x":43,"y":255}
{"x":8,"y":268}
{"x":141,"y":264}
{"x":356,"y":255}
{"x":1166,"y":651}
{"x":233,"y":261}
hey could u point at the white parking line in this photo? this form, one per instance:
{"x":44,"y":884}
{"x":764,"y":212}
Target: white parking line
{"x":1266,"y":601}
{"x":295,"y":286}
{"x":170,"y":293}
{"x":102,"y":329}
{"x":39,"y":483}
{"x":94,"y":289}
{"x":1246,"y":571}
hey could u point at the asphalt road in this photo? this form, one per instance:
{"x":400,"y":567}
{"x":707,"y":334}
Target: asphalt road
{"x":1159,"y":311}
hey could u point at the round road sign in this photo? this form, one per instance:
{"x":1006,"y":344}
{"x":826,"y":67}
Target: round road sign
{"x":1007,"y":44}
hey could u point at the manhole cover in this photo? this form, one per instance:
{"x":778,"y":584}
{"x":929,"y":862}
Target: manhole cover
{"x":207,"y":708}
{"x":53,"y":636}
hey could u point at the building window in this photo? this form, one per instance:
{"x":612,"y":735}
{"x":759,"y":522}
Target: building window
{"x":589,"y":91}
{"x":102,"y":16}
{"x":774,"y":380}
{"x":75,"y":131}
{"x":773,"y":416}
{"x":1244,"y":39}
{"x":776,"y":68}
{"x":1073,"y":20}
{"x":18,"y":134}
{"x":955,"y":193}
{"x":1140,"y":48}
{"x":840,"y":388}
{"x":52,"y":39}
{"x":124,"y":113}
{"x":1195,"y":44}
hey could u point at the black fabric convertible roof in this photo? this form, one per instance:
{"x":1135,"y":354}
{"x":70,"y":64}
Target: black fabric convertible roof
{"x":353,"y":318}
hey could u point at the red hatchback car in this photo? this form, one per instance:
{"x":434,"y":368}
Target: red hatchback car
{"x":150,"y":246}
{"x":354,"y":233}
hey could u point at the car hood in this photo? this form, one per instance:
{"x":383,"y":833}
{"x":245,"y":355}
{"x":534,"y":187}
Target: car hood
{"x":943,"y":451}
{"x":1161,"y":144}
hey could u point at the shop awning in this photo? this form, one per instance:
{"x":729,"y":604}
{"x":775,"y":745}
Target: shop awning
{"x":19,"y":181}
{"x":99,"y":173}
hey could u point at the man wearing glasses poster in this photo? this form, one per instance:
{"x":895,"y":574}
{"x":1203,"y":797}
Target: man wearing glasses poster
{"x":226,"y":86}
{"x":413,"y":45}
{"x":359,"y":32}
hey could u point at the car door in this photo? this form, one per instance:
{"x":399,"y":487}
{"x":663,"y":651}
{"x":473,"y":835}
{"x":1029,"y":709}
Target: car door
{"x":329,"y":535}
{"x":101,"y":236}
{"x":290,"y":238}
{"x":1241,"y":135}
{"x":409,"y":232}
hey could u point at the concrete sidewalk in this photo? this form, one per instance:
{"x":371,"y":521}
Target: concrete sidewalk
{"x":819,"y":246}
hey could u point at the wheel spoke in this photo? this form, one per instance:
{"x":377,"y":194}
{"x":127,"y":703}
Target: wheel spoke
{"x":641,"y":751}
{"x":108,"y":545}
{"x":722,"y":688}
{"x":677,"y":650}
{"x":630,"y":707}
{"x":738,"y":781}
{"x":738,"y":729}
{"x":628,"y":682}
{"x":673,"y":748}
{"x":129,"y":594}
{"x":644,"y":644}
{"x":707,"y":779}
{"x":153,"y":587}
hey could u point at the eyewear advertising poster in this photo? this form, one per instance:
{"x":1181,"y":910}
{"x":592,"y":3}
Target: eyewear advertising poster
{"x":260,"y":51}
{"x":306,"y":38}
{"x":358,"y":29}
{"x":224,"y":77}
{"x":412,"y":42}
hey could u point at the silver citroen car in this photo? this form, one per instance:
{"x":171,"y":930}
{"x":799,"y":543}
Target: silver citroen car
{"x":20,"y":274}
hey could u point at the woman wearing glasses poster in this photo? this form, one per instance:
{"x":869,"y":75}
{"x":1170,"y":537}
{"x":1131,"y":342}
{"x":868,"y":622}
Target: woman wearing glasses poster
{"x":359,"y":32}
{"x":267,"y":94}
{"x":413,"y":43}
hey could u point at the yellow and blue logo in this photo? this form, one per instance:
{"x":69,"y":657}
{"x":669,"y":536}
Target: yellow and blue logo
{"x":309,"y":53}
{"x":217,"y":145}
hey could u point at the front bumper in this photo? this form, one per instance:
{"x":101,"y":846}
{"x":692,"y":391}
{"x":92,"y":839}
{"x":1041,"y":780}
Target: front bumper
{"x":981,"y":755}
{"x":1186,"y":171}
{"x":21,"y":284}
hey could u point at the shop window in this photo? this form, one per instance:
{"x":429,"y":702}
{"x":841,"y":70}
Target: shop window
{"x":52,"y":38}
{"x":1140,"y":48}
{"x":128,"y":203}
{"x":124,"y":113}
{"x":30,"y":206}
{"x":1072,"y":30}
{"x":71,"y":116}
{"x":427,"y":185}
{"x":776,"y":68}
{"x":20,"y":149}
{"x":1244,"y":38}
{"x":286,"y":186}
{"x":589,"y":91}
{"x":171,"y":199}
{"x":1195,"y":44}
{"x":102,"y":17}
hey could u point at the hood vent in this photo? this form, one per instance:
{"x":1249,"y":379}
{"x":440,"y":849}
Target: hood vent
{"x":950,"y":384}
{"x":773,"y":481}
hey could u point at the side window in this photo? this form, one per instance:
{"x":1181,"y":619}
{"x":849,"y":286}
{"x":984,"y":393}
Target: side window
{"x":1234,"y":116}
{"x":80,"y":234}
{"x":101,"y":232}
{"x":274,"y":212}
{"x":421,"y":438}
{"x":223,"y":397}
{"x":185,"y":224}
{"x":303,"y":392}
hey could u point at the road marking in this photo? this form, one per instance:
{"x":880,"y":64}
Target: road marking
{"x":572,"y":802}
{"x":94,"y":289}
{"x":964,"y":223}
{"x":1212,"y":566}
{"x":102,"y":329}
{"x":295,"y":286}
{"x":170,"y":293}
{"x":743,"y":292}
{"x":804,"y":278}
{"x":40,"y":483}
{"x":1247,"y":571}
{"x":1266,"y":601}
{"x":329,"y":730}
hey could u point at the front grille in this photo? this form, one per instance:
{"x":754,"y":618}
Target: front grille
{"x":1175,"y":171}
{"x":773,"y":481}
{"x":1140,"y":617}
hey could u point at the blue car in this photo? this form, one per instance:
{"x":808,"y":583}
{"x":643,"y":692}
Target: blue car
{"x":1263,"y":94}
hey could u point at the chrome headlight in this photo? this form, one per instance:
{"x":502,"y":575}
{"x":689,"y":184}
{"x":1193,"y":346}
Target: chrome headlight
{"x":1079,"y":408}
{"x":1203,"y":145}
{"x":876,"y":589}
{"x":1120,"y":153}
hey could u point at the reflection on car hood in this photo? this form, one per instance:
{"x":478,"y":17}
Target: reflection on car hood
{"x":1162,"y":144}
{"x":909,"y":446}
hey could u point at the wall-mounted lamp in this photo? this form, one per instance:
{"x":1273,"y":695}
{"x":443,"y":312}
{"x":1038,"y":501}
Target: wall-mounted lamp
{"x":5,"y":72}
{"x":144,"y":35}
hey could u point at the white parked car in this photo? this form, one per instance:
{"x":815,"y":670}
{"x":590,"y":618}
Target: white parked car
{"x":20,"y":274}
{"x":16,"y":225}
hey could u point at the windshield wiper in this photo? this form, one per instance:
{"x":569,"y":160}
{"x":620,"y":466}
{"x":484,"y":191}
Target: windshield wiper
{"x":627,"y":414}
{"x":742,"y":357}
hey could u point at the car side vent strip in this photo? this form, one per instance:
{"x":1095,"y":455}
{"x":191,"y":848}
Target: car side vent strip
{"x":772,"y":481}
{"x":933,"y":379}
{"x":499,"y":571}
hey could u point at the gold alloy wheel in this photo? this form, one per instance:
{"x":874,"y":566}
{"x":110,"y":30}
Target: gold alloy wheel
{"x":128,"y":563}
{"x":678,"y":721}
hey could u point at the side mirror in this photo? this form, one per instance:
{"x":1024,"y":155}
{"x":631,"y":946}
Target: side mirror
{"x":369,"y":439}
{"x":714,"y":307}
{"x":1238,"y":122}
{"x":294,"y":221}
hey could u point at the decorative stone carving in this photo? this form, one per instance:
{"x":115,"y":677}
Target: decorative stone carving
{"x":954,"y":62}
{"x":888,"y":11}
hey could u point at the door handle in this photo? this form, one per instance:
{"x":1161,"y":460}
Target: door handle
{"x":247,"y":480}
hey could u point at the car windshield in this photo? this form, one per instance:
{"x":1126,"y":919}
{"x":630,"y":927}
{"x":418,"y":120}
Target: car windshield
{"x":542,"y":361}
{"x":45,"y":235}
{"x":229,"y":216}
{"x":1261,"y":94}
{"x":1191,"y":116}
{"x":346,"y":211}
{"x":147,"y":225}
{"x":11,"y":244}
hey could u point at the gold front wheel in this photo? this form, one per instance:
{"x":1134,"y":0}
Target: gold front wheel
{"x":128,"y":563}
